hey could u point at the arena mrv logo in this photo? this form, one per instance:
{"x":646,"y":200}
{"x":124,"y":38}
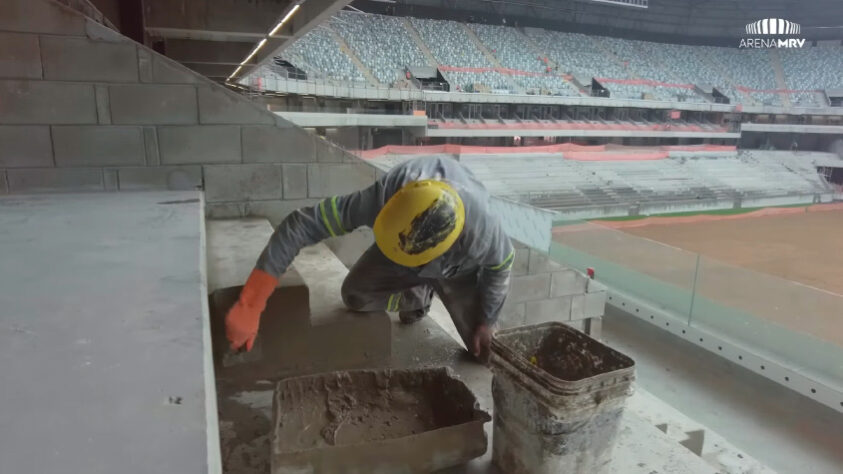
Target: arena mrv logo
{"x":772,"y":33}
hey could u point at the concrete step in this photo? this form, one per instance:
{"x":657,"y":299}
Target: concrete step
{"x":305,"y":327}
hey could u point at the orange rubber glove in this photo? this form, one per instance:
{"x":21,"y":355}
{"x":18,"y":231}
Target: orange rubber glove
{"x":243,"y":319}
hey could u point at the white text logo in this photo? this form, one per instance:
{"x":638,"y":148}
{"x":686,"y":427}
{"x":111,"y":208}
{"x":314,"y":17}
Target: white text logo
{"x":772,"y":27}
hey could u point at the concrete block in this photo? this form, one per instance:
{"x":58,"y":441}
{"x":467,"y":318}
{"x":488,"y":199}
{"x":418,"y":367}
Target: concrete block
{"x":594,"y":327}
{"x":327,"y":152}
{"x":595,"y":286}
{"x":588,"y":305}
{"x":25,"y":146}
{"x":540,"y":262}
{"x":47,"y":180}
{"x":103,"y":105}
{"x":199,"y":144}
{"x":348,"y":248}
{"x":594,"y":304}
{"x":547,"y":310}
{"x":577,"y":307}
{"x":41,"y":102}
{"x":110,"y":180}
{"x":97,"y":31}
{"x":326,"y":180}
{"x":153,"y":104}
{"x":150,"y":142}
{"x":243,"y":182}
{"x":567,"y":282}
{"x":530,"y":287}
{"x":160,"y":177}
{"x":275,"y":211}
{"x":40,"y":17}
{"x":95,"y":145}
{"x":218,"y":106}
{"x":520,"y":261}
{"x":83,"y":59}
{"x":224,"y":210}
{"x":158,"y":69}
{"x":295,"y":181}
{"x":166,"y":71}
{"x":265,"y":144}
{"x":20,"y":56}
{"x":144,"y":64}
{"x":511,"y":315}
{"x":4,"y":186}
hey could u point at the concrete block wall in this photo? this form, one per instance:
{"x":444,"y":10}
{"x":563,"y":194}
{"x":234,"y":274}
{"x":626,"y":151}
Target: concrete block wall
{"x":83,"y":108}
{"x":544,"y":291}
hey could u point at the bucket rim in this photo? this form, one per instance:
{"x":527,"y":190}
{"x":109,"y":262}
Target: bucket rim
{"x":520,"y":363}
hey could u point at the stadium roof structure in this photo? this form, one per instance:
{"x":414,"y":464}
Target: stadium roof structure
{"x":683,"y":21}
{"x":222,"y":39}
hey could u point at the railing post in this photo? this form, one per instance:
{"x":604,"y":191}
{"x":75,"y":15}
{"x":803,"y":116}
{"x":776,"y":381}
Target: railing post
{"x":694,"y":289}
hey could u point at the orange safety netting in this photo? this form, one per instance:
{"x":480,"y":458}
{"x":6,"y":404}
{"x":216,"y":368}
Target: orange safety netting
{"x":644,"y":82}
{"x":502,"y":70}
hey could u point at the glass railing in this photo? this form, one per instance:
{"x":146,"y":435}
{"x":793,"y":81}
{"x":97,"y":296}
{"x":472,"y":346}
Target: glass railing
{"x":796,"y":325}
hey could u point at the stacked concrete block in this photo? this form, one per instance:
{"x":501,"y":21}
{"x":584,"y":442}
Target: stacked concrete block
{"x":83,"y":108}
{"x":543,"y":291}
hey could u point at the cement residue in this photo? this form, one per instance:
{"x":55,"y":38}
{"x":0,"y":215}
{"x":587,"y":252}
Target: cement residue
{"x":568,"y":359}
{"x":245,"y":428}
{"x":562,"y":352}
{"x":338,"y":416}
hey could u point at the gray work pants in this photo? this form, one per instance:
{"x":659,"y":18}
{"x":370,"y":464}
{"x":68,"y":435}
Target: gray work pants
{"x":375,"y":283}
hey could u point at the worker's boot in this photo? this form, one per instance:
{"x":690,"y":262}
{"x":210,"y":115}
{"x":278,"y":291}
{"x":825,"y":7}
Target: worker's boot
{"x":412,"y":316}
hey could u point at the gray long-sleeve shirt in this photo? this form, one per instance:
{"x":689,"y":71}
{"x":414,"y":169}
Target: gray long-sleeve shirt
{"x":483,"y":247}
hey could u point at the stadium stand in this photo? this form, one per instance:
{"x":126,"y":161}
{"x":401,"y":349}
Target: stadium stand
{"x":381,"y":42}
{"x":816,"y":67}
{"x":451,"y":46}
{"x":319,"y":55}
{"x":513,"y":51}
{"x":545,"y":61}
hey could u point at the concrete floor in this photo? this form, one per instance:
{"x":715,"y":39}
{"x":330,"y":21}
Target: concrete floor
{"x":780,"y":428}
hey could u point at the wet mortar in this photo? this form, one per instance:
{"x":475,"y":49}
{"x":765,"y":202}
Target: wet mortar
{"x":342,"y":409}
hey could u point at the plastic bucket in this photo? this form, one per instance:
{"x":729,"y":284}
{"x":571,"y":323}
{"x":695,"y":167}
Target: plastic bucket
{"x":558,"y":396}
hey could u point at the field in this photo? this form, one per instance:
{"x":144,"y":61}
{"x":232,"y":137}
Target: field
{"x":782,"y":268}
{"x":807,"y":247}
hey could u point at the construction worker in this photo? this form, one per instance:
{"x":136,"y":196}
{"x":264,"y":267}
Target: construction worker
{"x":434,"y":233}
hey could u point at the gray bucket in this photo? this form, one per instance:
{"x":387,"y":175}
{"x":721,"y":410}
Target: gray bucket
{"x":558,"y":396}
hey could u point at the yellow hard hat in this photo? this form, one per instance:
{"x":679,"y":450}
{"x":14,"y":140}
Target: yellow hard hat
{"x":419,"y":223}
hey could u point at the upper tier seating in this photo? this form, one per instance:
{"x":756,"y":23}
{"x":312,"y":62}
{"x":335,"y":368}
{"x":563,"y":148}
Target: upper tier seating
{"x":539,"y":61}
{"x":512,"y":50}
{"x":318,"y":54}
{"x":381,"y":42}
